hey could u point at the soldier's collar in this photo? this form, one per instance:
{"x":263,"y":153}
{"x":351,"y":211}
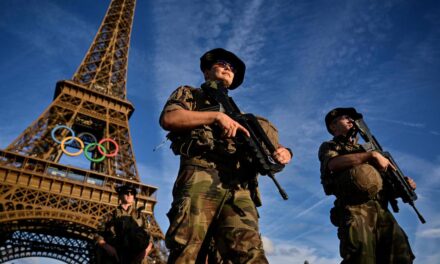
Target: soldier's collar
{"x":129,"y":208}
{"x":340,"y":138}
{"x":343,"y":139}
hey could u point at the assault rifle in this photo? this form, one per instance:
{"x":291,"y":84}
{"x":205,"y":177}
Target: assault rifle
{"x":255,"y":145}
{"x":395,"y":181}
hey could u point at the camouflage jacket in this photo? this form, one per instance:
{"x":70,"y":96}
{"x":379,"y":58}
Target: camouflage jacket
{"x":204,"y":146}
{"x":117,"y":228}
{"x":331,"y":181}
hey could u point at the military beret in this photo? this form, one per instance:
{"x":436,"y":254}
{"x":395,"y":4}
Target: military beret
{"x":209,"y":58}
{"x":349,"y":111}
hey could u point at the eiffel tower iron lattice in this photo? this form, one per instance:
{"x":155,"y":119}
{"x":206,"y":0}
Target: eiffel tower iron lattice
{"x":52,"y":210}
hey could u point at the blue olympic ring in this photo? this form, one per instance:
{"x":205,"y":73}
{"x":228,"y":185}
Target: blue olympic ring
{"x":66,"y":127}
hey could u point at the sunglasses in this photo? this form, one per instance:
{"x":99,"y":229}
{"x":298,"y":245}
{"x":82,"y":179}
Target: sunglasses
{"x":225,"y":65}
{"x":128,"y":193}
{"x":340,"y":118}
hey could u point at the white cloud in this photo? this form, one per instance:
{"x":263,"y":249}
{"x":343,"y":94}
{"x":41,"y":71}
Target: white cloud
{"x":288,"y":252}
{"x":247,"y":36}
{"x":268,"y":245}
{"x":419,"y":168}
{"x":430,"y":233}
{"x":403,"y":123}
{"x":177,"y":49}
{"x":306,"y":211}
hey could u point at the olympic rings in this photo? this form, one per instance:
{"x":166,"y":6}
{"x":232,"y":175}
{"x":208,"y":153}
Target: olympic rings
{"x":90,"y":146}
{"x":63,"y":146}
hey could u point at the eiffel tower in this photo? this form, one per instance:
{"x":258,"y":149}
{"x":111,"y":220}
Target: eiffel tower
{"x":48,"y":209}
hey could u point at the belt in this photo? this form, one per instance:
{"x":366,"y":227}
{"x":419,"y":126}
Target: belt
{"x":228,"y":172}
{"x":379,"y":197}
{"x":211,"y":163}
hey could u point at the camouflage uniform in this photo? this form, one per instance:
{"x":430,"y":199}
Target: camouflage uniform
{"x":127,"y":231}
{"x":367,"y":231}
{"x":215,"y":190}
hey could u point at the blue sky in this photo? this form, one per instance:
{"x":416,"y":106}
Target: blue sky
{"x":303,"y":59}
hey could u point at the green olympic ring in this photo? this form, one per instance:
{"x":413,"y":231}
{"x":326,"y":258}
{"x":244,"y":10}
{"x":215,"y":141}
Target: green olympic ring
{"x":100,"y":147}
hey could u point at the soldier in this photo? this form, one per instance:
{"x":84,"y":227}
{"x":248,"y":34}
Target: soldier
{"x":215,"y":194}
{"x":124,"y":236}
{"x":367,"y":231}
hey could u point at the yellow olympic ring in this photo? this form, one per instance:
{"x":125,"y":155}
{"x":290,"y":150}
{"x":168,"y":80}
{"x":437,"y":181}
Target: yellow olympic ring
{"x":63,"y":146}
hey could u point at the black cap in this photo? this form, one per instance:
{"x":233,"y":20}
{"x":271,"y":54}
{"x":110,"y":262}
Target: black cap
{"x":349,"y":111}
{"x":212,"y":56}
{"x":123,"y":188}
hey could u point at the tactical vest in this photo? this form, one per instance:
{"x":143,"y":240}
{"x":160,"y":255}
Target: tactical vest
{"x":202,"y":140}
{"x":204,"y":147}
{"x":131,"y":236}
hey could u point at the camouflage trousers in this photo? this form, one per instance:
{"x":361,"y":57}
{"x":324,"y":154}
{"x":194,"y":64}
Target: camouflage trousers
{"x":369,"y":234}
{"x":204,"y":201}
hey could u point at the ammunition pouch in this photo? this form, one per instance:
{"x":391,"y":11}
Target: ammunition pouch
{"x":335,"y":216}
{"x":255,"y":192}
{"x":339,"y":214}
{"x":192,"y":143}
{"x":328,"y":185}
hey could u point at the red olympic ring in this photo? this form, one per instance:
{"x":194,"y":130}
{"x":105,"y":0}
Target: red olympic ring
{"x":103,"y":152}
